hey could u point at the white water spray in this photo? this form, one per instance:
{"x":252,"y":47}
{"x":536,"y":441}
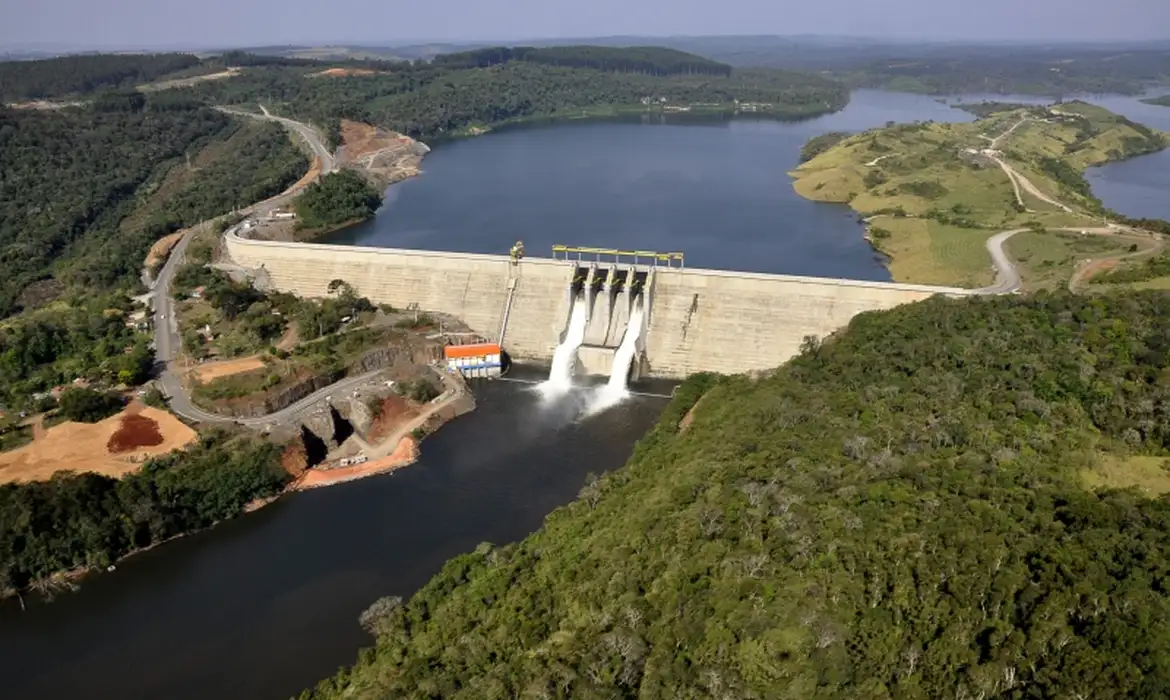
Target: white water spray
{"x":615,"y":390}
{"x":560,"y":377}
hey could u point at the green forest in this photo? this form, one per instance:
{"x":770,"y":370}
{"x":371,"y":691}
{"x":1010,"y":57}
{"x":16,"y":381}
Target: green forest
{"x":73,"y":177}
{"x":70,"y":76}
{"x":83,"y":521}
{"x":432,"y":101}
{"x":901,"y":511}
{"x":1162,"y":101}
{"x":650,"y":60}
{"x":337,"y":198}
{"x":90,"y":338}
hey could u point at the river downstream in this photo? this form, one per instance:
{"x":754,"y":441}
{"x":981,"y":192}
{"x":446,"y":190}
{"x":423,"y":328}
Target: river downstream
{"x":266,"y":605}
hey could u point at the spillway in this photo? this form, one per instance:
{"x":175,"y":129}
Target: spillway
{"x":616,"y":388}
{"x":560,"y":377}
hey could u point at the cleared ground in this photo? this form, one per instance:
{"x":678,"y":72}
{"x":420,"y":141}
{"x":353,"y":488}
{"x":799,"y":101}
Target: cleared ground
{"x":115,"y":446}
{"x":1147,"y":474}
{"x":225,"y":368}
{"x":1047,"y":260}
{"x":187,"y":82}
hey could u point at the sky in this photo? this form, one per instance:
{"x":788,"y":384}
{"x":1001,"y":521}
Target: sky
{"x":219,"y":23}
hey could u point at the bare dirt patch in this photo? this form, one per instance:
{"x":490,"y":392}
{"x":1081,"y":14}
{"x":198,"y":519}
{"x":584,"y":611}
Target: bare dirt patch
{"x":395,"y":412}
{"x":136,"y":431}
{"x":84,"y":447}
{"x":343,"y":72}
{"x":187,"y":82}
{"x":225,"y":368}
{"x":162,"y":248}
{"x":388,"y":156}
{"x":404,"y":454}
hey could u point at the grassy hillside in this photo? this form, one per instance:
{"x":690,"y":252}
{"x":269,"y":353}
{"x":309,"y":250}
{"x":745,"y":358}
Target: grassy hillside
{"x":918,"y":508}
{"x":933,"y":196}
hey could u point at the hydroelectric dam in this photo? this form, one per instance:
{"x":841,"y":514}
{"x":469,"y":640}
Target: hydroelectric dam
{"x":674,"y":320}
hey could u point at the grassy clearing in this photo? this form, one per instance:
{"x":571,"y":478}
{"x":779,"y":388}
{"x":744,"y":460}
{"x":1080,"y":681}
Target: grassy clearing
{"x":1046,"y":260}
{"x":928,"y":252}
{"x":954,"y":196}
{"x":1147,"y":474}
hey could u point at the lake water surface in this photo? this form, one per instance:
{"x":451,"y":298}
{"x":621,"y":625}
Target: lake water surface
{"x":266,"y":605}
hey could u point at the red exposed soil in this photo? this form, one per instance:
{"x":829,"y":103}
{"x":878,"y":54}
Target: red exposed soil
{"x":136,"y":431}
{"x":395,"y":411}
{"x":295,"y":460}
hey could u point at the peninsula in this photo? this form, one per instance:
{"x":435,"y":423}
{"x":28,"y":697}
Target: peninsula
{"x":932,"y":195}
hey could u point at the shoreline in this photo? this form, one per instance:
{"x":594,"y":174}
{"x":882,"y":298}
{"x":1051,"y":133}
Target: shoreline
{"x":407,"y":452}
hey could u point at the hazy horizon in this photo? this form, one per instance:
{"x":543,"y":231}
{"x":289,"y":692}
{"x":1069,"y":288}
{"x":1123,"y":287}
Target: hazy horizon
{"x":158,"y":24}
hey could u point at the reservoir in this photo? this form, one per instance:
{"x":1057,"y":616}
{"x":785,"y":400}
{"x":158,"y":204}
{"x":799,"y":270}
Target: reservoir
{"x":266,"y":605}
{"x":718,"y":191}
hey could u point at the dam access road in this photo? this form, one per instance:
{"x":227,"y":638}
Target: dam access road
{"x":166,"y":330}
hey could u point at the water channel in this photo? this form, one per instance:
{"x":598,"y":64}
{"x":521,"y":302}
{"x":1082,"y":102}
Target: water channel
{"x":266,"y":605}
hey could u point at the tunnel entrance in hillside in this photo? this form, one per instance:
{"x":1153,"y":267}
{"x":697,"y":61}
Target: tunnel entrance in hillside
{"x":315,"y":447}
{"x":342,"y":428}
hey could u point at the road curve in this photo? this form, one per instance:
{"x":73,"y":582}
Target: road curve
{"x":1007,"y":277}
{"x":166,"y":331}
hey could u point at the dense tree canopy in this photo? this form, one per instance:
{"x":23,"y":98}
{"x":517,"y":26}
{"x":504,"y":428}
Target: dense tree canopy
{"x":73,"y":176}
{"x":651,"y":60}
{"x":70,"y":177}
{"x":432,"y":101}
{"x":337,"y":198}
{"x":91,"y":339}
{"x":899,"y":512}
{"x":73,"y":75}
{"x":88,"y":520}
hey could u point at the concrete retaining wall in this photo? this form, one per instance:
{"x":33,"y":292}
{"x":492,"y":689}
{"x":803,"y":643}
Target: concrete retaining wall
{"x":699,"y":320}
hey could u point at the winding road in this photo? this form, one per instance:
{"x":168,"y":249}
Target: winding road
{"x":166,"y":330}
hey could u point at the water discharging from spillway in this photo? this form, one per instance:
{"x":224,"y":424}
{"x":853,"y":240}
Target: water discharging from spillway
{"x":615,"y":390}
{"x":560,"y":377}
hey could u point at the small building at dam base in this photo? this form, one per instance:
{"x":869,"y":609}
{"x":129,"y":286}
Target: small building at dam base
{"x":688,"y":320}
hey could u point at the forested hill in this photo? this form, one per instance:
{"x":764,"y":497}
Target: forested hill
{"x":470,"y":92}
{"x":901,"y":511}
{"x":73,"y":75}
{"x":650,"y":60}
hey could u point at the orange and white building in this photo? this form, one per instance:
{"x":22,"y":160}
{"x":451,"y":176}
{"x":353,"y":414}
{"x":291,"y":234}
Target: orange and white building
{"x":474,"y":359}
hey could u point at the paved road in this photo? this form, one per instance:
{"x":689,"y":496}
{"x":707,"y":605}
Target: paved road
{"x":166,"y":332}
{"x":1007,"y":277}
{"x":311,"y":135}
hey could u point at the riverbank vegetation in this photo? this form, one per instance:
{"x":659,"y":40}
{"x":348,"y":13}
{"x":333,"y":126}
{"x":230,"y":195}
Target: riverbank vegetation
{"x":1161,"y":101}
{"x":336,"y":199}
{"x":905,"y":510}
{"x":84,"y":521}
{"x":934,"y":193}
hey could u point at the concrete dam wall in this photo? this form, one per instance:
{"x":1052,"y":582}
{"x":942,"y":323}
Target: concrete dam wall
{"x":695,"y":320}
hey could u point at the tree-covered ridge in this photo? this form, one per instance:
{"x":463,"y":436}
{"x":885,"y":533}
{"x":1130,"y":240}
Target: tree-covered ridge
{"x":337,"y":198}
{"x":896,"y":513}
{"x":650,"y":60}
{"x":77,"y":75}
{"x":86,"y":191}
{"x":1162,"y":101}
{"x":88,"y":520}
{"x":433,"y":101}
{"x":70,"y":177}
{"x":1027,"y":71}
